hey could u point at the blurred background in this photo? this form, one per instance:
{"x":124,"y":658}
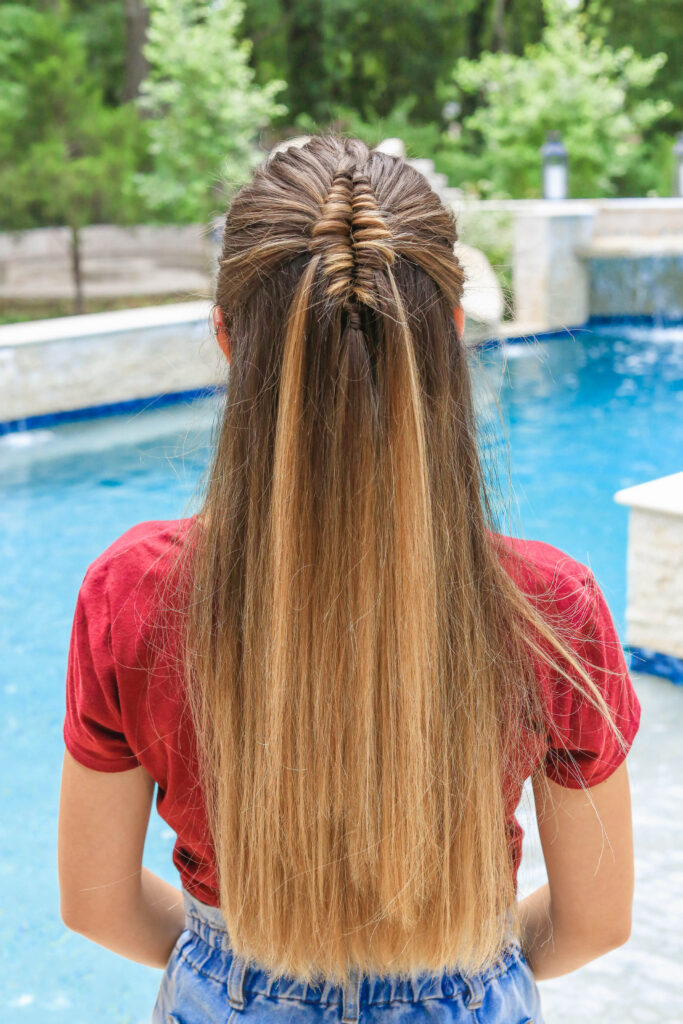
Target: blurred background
{"x":133,"y":112}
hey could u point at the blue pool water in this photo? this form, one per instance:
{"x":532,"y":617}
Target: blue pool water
{"x":587,"y":415}
{"x":584,"y":417}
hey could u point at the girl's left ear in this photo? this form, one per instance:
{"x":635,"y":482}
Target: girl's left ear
{"x":459,"y":317}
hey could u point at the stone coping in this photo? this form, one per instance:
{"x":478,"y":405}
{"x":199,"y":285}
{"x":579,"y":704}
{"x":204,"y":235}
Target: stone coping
{"x":633,"y":246}
{"x":533,"y":207}
{"x":631,"y":203}
{"x":480,"y":294}
{"x":89,"y":325}
{"x":662,"y":495}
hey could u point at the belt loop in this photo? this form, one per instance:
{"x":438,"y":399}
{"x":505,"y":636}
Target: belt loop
{"x":238,"y":969}
{"x":351,"y":998}
{"x":475,"y":988}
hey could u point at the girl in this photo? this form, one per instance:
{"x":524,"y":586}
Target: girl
{"x":338,"y":674}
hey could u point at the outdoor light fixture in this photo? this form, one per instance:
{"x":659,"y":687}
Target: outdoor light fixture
{"x":678,"y":165}
{"x":450,"y":113}
{"x":555,"y":167}
{"x":450,"y":110}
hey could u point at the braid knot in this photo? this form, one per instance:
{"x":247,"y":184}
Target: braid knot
{"x":352,"y":238}
{"x":331,"y":233}
{"x":370,"y":239}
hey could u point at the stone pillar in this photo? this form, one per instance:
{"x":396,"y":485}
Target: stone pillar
{"x":550,"y":279}
{"x":654,"y":613}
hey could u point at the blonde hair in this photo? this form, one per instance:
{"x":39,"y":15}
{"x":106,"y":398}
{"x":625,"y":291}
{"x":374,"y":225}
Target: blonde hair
{"x":358,"y":662}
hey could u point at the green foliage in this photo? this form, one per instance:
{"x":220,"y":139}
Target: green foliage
{"x":71,"y":152}
{"x":419,"y":138}
{"x":358,"y":55}
{"x":205,"y":111}
{"x":653,"y":173}
{"x":656,"y":26}
{"x":369,"y":57}
{"x":65,"y":157}
{"x":378,"y":54}
{"x":570,"y":81}
{"x":104,"y":28}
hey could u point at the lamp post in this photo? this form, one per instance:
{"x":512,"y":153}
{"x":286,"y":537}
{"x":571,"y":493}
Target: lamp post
{"x":450,"y":112}
{"x":555,"y":167}
{"x":678,"y":165}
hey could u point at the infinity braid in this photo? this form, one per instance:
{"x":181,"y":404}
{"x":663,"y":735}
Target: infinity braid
{"x":331,"y":235}
{"x":371,"y":240}
{"x":351,"y":237}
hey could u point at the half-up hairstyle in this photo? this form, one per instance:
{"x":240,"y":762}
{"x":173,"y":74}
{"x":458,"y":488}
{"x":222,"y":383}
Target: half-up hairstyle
{"x":357,"y":660}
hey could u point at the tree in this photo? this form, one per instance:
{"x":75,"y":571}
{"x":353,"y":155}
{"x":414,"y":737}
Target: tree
{"x":65,"y":157}
{"x":305,"y":48}
{"x":570,"y":81}
{"x":105,"y":30}
{"x":204,"y":110}
{"x":136,"y":33}
{"x":658,"y":27}
{"x":371,"y":58}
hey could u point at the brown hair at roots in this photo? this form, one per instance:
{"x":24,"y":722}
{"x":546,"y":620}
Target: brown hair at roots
{"x":357,"y":659}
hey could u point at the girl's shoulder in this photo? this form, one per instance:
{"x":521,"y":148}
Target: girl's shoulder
{"x":125,"y":582}
{"x":114,"y":647}
{"x":564,"y":590}
{"x":541,"y":568}
{"x":141,"y":544}
{"x":139,"y":552}
{"x":583,"y":746}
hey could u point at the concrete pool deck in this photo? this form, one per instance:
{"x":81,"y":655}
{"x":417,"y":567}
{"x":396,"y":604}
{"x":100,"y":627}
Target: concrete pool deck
{"x":642,"y":981}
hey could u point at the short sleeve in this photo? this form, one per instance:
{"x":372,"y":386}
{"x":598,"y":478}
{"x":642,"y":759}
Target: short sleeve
{"x":584,"y":750}
{"x":93,"y":732}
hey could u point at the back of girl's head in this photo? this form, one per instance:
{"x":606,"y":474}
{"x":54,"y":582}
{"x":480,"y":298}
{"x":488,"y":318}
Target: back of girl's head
{"x":350,"y":248}
{"x":355,"y":665}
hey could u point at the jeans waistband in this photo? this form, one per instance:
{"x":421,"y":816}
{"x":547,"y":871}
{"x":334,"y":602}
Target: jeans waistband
{"x":361,"y":990}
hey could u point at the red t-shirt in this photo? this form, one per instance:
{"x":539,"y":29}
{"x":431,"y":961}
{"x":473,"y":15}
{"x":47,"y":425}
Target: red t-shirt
{"x":124,"y":705}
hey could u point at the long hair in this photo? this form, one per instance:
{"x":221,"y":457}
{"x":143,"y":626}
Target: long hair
{"x":357,"y":658}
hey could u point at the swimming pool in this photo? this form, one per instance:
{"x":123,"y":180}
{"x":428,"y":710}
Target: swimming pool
{"x":585,"y":417}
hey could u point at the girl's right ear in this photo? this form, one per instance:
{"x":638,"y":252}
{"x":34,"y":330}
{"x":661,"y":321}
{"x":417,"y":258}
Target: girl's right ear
{"x":220,"y":331}
{"x":459,"y":317}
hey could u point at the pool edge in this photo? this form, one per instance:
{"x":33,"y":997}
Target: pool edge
{"x":47,"y":419}
{"x":654,"y":663}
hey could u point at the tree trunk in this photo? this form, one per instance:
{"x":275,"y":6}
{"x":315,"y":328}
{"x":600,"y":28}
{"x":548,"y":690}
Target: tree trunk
{"x":136,"y":32}
{"x":500,"y":36}
{"x":305,"y":49}
{"x":77,"y":270}
{"x":475,"y":32}
{"x":475,"y":23}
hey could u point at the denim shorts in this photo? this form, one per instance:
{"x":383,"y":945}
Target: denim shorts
{"x":204,"y":983}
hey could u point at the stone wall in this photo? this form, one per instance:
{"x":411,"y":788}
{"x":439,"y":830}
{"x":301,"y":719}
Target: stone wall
{"x":581,"y":258}
{"x":139,"y":260}
{"x":77,"y":362}
{"x":654,"y":614}
{"x":636,"y":283}
{"x":550,"y":279}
